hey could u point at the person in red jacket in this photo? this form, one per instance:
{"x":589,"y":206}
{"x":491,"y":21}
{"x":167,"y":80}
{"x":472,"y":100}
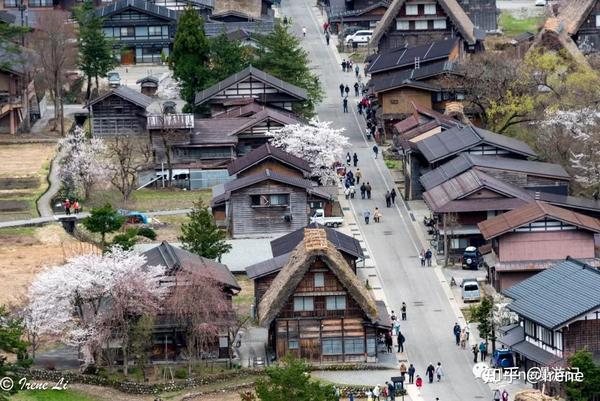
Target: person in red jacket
{"x":419,"y":382}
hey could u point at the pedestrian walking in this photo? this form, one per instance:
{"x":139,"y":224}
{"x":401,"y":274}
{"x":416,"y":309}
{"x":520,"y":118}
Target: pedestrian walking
{"x":285,"y":20}
{"x":389,"y":342}
{"x":463,"y":339}
{"x":347,"y":191}
{"x":403,"y":310}
{"x":357,"y":71}
{"x":401,"y":340}
{"x":346,"y":90}
{"x":393,"y":316}
{"x":375,"y":150}
{"x":359,"y":106}
{"x":348,"y":158}
{"x":369,"y":394}
{"x":349,"y":66}
{"x":456,"y":331}
{"x":504,"y":395}
{"x":76,"y":207}
{"x":342,"y":90}
{"x":422,"y":257}
{"x":395,"y":328}
{"x":367,"y":215}
{"x":368,"y":190}
{"x":363,"y":191}
{"x":439,"y":372}
{"x":391,"y":391}
{"x":327,"y":37}
{"x":303,"y":31}
{"x":350,"y":396}
{"x":355,"y":159}
{"x":430,"y":372}
{"x":467,"y":332}
{"x":496,"y":395}
{"x":352,"y":191}
{"x":475,"y":351}
{"x":411,"y":374}
{"x":388,"y":199}
{"x":483,"y":351}
{"x":356,"y":93}
{"x":403,"y":369}
{"x":358,"y":174}
{"x":67,"y":206}
{"x":428,"y":256}
{"x":419,"y":382}
{"x":393,"y":195}
{"x":376,"y":392}
{"x":377,"y":215}
{"x":345,"y":104}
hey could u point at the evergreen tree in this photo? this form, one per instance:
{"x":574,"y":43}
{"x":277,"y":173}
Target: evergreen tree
{"x":96,"y":57}
{"x":590,"y":386}
{"x":103,"y":220}
{"x":190,"y":56}
{"x":291,"y":381}
{"x":281,"y":55}
{"x":226,"y":57}
{"x":201,"y":235}
{"x":11,"y":332}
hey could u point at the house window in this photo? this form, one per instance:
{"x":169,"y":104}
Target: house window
{"x":332,"y":346}
{"x":545,"y":335}
{"x":223,"y":342}
{"x":127,"y":31}
{"x":155,"y":31}
{"x":336,"y":302}
{"x":303,"y":304}
{"x":40,"y":3}
{"x":319,"y":280}
{"x":272,"y":200}
{"x":108,"y":32}
{"x":597,"y":20}
{"x":430,"y":9}
{"x":354,"y":345}
{"x":412,"y":9}
{"x":10,"y":3}
{"x":402,"y":25}
{"x":293,"y":344}
{"x":371,"y":347}
{"x":530,"y":329}
{"x":439,"y":24}
{"x":421,"y":25}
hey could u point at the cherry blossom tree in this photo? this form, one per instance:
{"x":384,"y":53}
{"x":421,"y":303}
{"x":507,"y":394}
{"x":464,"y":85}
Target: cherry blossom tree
{"x":582,"y":128}
{"x":84,"y":163}
{"x":88,"y":297}
{"x":318,"y":143}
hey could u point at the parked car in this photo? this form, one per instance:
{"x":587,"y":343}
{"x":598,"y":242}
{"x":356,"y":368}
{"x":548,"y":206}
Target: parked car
{"x":319,"y":218}
{"x":471,"y":258}
{"x":359,"y":37}
{"x":540,"y":2}
{"x":351,"y":30}
{"x":114,"y":79}
{"x":470,"y":290}
{"x":503,"y":358}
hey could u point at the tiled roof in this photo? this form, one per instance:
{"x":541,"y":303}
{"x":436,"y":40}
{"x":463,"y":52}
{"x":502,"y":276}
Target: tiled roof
{"x":405,"y":57}
{"x":261,"y":153}
{"x":558,"y":295}
{"x":465,"y":161}
{"x":174,"y":259}
{"x":408,"y":76}
{"x":569,"y":202}
{"x":140,"y":5}
{"x":216,"y":131}
{"x":267,"y":266}
{"x":128,"y":94}
{"x":215,"y":28}
{"x":532,"y":212}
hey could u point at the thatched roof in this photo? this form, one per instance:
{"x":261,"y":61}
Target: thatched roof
{"x":249,"y":8}
{"x":554,"y":36}
{"x":456,"y":13}
{"x":314,"y":246}
{"x":574,"y":13}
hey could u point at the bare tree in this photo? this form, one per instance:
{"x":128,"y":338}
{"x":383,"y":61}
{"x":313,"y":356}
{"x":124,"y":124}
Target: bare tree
{"x":55,"y":44}
{"x":129,"y":155}
{"x":201,"y":307}
{"x":169,"y":134}
{"x":450,"y":224}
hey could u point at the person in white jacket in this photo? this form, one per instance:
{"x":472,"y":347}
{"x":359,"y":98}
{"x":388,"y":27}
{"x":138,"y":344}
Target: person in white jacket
{"x":439,"y":372}
{"x":376,"y":392}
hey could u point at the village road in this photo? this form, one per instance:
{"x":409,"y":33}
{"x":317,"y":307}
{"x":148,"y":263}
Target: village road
{"x":393,"y":242}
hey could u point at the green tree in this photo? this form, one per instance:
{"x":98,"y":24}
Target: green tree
{"x":189,"y":59}
{"x":96,"y":56}
{"x":482,"y":314}
{"x":201,"y":235}
{"x":281,"y":55}
{"x":103,"y":220}
{"x":291,"y":381}
{"x":11,"y":333}
{"x":226,"y":57}
{"x":141,"y":341}
{"x":590,"y":386}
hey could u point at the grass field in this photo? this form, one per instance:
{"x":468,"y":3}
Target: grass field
{"x":512,"y":26}
{"x":23,"y":178}
{"x":53,"y":395}
{"x":148,"y":200}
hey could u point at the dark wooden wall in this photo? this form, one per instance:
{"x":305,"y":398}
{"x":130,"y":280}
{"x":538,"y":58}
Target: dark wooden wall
{"x":115,"y":115}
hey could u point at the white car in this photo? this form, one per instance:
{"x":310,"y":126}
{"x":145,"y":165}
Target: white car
{"x":360,"y":37}
{"x":540,"y":2}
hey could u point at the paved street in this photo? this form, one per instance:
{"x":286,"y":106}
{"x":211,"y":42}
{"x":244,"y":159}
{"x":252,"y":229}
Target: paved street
{"x":391,"y":243}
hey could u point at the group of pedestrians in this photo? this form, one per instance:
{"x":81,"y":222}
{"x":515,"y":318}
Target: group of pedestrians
{"x":68,"y":204}
{"x":461,"y":338}
{"x":390,"y":197}
{"x":425,"y":257}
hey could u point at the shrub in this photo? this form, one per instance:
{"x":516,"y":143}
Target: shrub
{"x":147,"y":232}
{"x":181,"y":373}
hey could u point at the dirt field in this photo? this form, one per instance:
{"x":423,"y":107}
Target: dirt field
{"x":25,"y":252}
{"x":24,"y":160}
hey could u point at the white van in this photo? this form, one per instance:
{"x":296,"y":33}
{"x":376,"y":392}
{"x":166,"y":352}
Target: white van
{"x":470,"y":290}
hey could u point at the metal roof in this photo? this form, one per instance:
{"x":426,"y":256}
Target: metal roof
{"x":261,"y":153}
{"x":570,"y":202}
{"x":534,"y":211}
{"x":215,"y":28}
{"x":337,"y":14}
{"x":465,"y":161}
{"x":144,"y":6}
{"x":405,"y":57}
{"x":399,"y":78}
{"x":126,"y":93}
{"x":267,"y":266}
{"x":558,"y":295}
{"x":293,"y":90}
{"x":535,"y":353}
{"x":344,"y":243}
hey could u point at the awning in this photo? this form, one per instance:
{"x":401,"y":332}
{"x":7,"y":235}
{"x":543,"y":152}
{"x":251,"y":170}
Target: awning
{"x":536,"y":354}
{"x":513,"y":336}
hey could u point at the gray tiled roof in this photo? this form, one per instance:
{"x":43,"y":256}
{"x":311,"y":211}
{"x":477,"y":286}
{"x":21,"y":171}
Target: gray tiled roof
{"x":557,"y":295}
{"x":293,"y":90}
{"x":261,"y":153}
{"x":405,"y":57}
{"x":128,"y":94}
{"x":141,"y":5}
{"x":569,"y":202}
{"x":267,"y":266}
{"x":215,"y":28}
{"x":402,"y":77}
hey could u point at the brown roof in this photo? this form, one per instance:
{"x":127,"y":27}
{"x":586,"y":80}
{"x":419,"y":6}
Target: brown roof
{"x":456,"y":13}
{"x":251,"y":8}
{"x":263,"y":152}
{"x":555,"y":32}
{"x":531,"y":212}
{"x":314,"y":245}
{"x":574,"y":13}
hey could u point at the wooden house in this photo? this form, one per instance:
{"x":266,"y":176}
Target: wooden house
{"x":263,"y":273}
{"x":559,"y":314}
{"x":580,"y":19}
{"x":121,"y":111}
{"x":528,"y":239}
{"x":169,"y":340}
{"x":142,"y":32}
{"x":266,"y":202}
{"x":360,"y":14}
{"x":414,"y":22}
{"x":272,"y":158}
{"x":250,"y":83}
{"x":316,"y":308}
{"x":148,"y":85}
{"x":12,"y":6}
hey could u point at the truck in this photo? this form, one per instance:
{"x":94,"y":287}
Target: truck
{"x":320,"y":218}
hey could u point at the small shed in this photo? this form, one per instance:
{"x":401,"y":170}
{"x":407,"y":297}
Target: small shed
{"x":119,"y":112}
{"x":149,"y":85}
